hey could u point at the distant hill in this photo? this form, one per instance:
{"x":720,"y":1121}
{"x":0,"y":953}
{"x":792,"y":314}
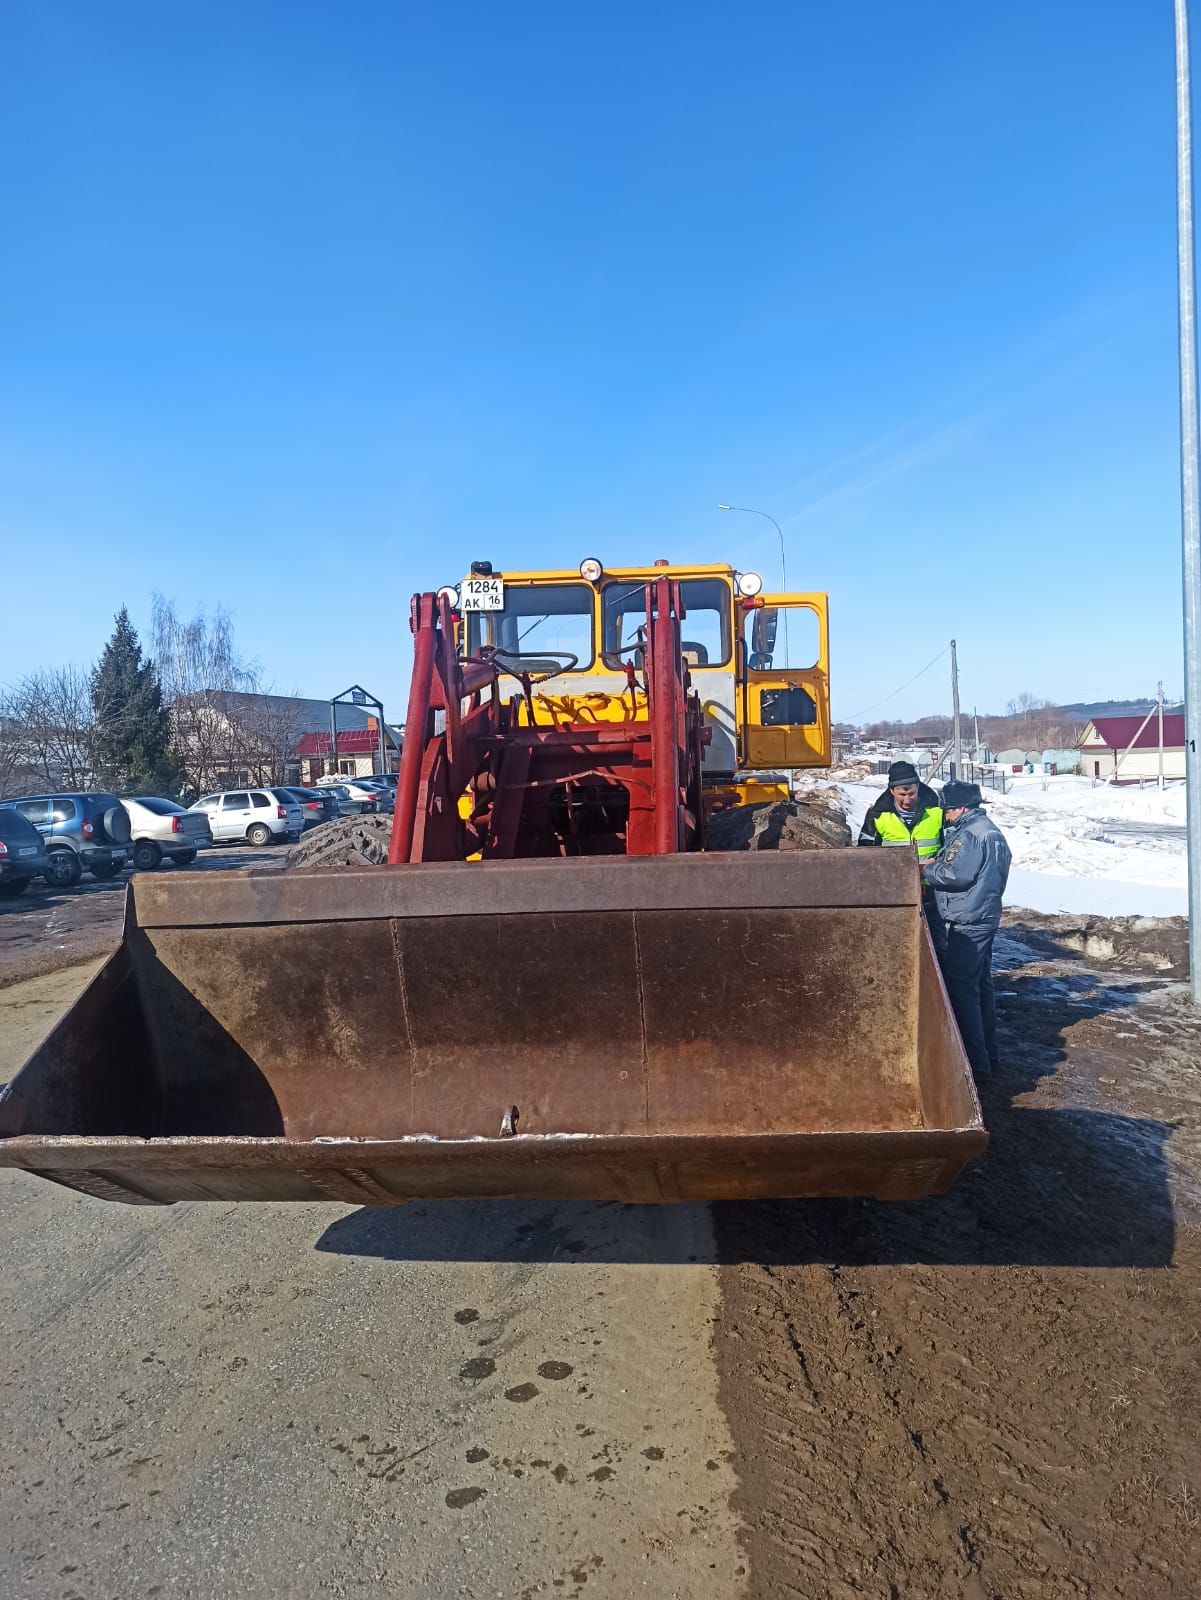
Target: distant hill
{"x":1036,"y":726}
{"x":1109,"y":708}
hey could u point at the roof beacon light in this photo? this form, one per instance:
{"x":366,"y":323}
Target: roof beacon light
{"x":749,"y":584}
{"x":451,"y":592}
{"x":591,"y":570}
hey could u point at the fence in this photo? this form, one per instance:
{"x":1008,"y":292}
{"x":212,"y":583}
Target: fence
{"x":929,"y":768}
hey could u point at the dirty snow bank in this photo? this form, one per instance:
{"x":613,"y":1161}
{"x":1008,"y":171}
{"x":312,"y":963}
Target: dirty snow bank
{"x":1080,"y":848}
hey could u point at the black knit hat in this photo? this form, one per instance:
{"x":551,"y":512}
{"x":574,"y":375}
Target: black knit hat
{"x":901,"y":773}
{"x":957,"y":793}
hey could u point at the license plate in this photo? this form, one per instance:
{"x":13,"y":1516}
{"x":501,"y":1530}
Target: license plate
{"x":482,"y":594}
{"x":27,"y":850}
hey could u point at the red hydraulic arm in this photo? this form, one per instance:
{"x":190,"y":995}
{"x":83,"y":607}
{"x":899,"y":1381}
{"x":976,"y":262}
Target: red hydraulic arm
{"x":629,"y":787}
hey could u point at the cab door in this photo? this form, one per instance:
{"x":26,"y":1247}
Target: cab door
{"x":784,"y":682}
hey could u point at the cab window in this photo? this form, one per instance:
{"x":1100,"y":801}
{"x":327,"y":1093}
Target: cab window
{"x":704,"y":632}
{"x":785,"y":640}
{"x":541,"y":627}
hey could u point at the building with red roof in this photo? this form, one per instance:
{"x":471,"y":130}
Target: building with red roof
{"x":1126,"y":749}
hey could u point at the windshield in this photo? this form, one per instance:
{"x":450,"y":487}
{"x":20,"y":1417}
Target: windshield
{"x":541,"y":627}
{"x":160,"y":808}
{"x":705,"y":630}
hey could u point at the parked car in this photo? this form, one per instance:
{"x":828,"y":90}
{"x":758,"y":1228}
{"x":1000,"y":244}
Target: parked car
{"x":384,"y":793}
{"x":83,"y":833}
{"x":163,"y":828}
{"x":23,"y":854}
{"x":318,"y":805}
{"x":352,"y":800}
{"x":357,"y":789}
{"x":260,"y":815}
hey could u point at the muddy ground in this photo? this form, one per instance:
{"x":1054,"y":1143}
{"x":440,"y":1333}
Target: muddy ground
{"x":992,"y":1394}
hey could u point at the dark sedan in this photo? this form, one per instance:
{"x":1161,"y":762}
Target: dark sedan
{"x":317,"y":805}
{"x":23,"y":854}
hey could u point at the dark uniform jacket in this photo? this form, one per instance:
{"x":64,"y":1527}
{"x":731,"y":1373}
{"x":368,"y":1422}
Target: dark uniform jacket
{"x":969,"y":873}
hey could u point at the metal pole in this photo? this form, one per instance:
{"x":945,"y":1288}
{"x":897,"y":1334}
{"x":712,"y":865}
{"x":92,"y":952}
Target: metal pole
{"x":957,"y":743}
{"x":383,"y":749}
{"x":333,"y":736}
{"x":1159,"y":706}
{"x":975,"y":736}
{"x":752,"y":512}
{"x":1190,"y":511}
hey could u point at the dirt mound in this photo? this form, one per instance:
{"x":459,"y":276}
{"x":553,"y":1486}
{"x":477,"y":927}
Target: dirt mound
{"x":859,"y":771}
{"x":349,"y":842}
{"x":814,"y":821}
{"x":1157,"y":943}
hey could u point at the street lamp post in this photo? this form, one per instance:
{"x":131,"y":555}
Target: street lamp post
{"x":1190,"y":511}
{"x":752,"y":512}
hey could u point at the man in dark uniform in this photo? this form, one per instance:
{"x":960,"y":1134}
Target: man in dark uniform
{"x":968,"y":877}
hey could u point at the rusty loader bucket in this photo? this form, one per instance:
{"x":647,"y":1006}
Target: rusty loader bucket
{"x":664,"y":1028}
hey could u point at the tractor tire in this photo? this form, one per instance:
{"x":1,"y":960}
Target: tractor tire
{"x":346,"y":842}
{"x":816,"y":820}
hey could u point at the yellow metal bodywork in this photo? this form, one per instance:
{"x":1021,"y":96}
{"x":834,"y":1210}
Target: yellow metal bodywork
{"x":761,"y":741}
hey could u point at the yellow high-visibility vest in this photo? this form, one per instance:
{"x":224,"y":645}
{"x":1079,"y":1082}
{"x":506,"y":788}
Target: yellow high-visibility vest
{"x":925,"y":836}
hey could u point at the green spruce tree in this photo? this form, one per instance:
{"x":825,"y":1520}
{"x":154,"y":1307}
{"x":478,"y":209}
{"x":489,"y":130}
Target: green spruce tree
{"x":132,"y":731}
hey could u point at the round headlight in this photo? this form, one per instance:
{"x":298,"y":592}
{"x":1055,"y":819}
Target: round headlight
{"x":591,"y":570}
{"x":749,"y":584}
{"x":449,"y":591}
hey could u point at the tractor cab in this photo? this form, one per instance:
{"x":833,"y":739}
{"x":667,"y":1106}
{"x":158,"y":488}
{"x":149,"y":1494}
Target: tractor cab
{"x":573,"y":645}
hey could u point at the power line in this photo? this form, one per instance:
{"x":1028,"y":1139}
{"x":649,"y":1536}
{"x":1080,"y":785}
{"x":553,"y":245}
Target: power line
{"x":860,"y":714}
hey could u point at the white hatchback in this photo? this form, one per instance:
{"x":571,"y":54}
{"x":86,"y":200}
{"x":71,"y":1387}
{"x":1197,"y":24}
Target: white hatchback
{"x":260,"y":816}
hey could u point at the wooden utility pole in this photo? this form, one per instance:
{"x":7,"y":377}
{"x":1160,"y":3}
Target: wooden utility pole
{"x":957,"y":743}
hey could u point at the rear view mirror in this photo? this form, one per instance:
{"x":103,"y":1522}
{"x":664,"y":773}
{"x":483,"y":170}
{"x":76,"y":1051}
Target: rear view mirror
{"x":763,"y":631}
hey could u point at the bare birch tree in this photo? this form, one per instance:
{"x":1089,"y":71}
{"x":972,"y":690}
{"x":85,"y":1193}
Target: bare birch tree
{"x":198,"y":667}
{"x":52,"y":724}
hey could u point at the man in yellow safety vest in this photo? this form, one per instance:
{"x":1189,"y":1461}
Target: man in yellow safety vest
{"x":907,"y":813}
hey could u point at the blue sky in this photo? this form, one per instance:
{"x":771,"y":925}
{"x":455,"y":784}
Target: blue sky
{"x":306,"y":305}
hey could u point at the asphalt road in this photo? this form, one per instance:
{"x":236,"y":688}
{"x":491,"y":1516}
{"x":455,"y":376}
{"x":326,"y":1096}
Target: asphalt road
{"x":47,"y":929}
{"x":1170,"y":833}
{"x":440,"y":1400}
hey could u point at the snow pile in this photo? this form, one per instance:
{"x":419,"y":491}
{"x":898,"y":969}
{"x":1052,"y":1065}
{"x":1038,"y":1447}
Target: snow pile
{"x":1083,"y":848}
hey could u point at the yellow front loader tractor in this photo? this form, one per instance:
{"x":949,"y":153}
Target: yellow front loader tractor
{"x":554,"y":989}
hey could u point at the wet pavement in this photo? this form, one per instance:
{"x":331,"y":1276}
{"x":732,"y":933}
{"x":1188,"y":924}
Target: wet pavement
{"x":47,"y":929}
